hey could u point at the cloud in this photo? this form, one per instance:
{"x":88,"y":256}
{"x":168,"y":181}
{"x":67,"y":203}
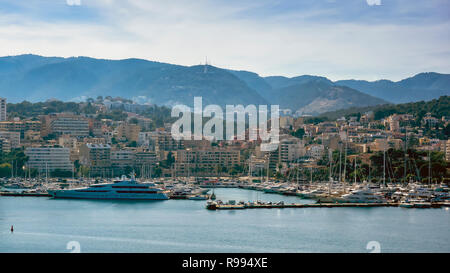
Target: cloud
{"x":373,"y":2}
{"x":73,"y":2}
{"x":369,"y":44}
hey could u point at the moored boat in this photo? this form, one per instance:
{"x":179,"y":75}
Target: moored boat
{"x":127,"y":189}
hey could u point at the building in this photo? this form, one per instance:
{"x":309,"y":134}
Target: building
{"x":394,"y":123}
{"x":128,"y":131}
{"x":257,"y":166}
{"x":32,"y":136}
{"x":2,"y":109}
{"x":429,"y":120}
{"x":145,"y":157}
{"x":445,"y":148}
{"x":20,"y":126}
{"x":382,"y":144}
{"x":286,"y":122}
{"x":95,"y":127}
{"x":49,"y":158}
{"x":65,"y":124}
{"x":122,"y":161}
{"x":315,"y":151}
{"x":291,"y":149}
{"x":67,"y":141}
{"x":160,"y":141}
{"x":5,"y":146}
{"x":97,"y":157}
{"x":12,"y":137}
{"x":209,"y":161}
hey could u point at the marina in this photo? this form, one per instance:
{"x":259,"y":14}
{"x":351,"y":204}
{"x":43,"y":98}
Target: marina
{"x":325,"y":193}
{"x":186,"y":226}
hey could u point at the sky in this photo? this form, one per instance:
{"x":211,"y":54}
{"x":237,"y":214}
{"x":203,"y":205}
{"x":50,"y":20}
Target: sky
{"x":338,"y":39}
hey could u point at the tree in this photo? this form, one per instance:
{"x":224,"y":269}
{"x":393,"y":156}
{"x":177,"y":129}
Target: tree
{"x":61,"y":173}
{"x":5,"y":170}
{"x":134,"y":121}
{"x":132,"y":144}
{"x":447,"y":130}
{"x":300,"y":132}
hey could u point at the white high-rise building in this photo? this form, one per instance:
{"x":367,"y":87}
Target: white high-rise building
{"x":44,"y":158}
{"x":2,"y":109}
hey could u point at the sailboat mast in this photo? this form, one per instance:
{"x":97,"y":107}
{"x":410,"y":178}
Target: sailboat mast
{"x":384,"y":164}
{"x":345,"y":157}
{"x":404,"y":163}
{"x":340,"y":165}
{"x":429,"y":166}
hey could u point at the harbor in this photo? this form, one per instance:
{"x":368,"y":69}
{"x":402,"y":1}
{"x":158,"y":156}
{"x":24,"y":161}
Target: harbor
{"x":185,"y":225}
{"x":323,"y":194}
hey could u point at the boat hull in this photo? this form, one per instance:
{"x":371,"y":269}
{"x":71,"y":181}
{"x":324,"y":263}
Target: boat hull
{"x":68,"y":194}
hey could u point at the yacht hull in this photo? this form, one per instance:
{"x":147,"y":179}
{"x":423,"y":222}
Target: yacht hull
{"x":68,"y":194}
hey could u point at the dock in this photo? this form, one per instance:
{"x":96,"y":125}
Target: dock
{"x":24,"y":194}
{"x":215,"y":206}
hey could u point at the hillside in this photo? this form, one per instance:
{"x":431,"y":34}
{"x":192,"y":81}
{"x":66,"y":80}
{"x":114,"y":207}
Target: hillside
{"x":437,"y":107}
{"x":423,"y":86}
{"x":36,"y":78}
{"x":315,"y":97}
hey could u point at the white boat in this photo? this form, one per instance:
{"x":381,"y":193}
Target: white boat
{"x":420,"y":193}
{"x":421,"y":204}
{"x":198,"y":197}
{"x":123,"y":189}
{"x":272,"y":189}
{"x":406,"y":204}
{"x":362,"y":196}
{"x":311,"y":194}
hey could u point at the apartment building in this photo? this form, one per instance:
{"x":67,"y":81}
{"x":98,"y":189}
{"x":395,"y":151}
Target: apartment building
{"x":49,"y":158}
{"x":67,"y":124}
{"x":5,"y":146}
{"x":160,"y":141}
{"x":207,"y":161}
{"x":315,"y":151}
{"x":128,"y":131}
{"x":145,"y":157}
{"x":20,"y":126}
{"x":122,"y":160}
{"x":445,"y":148}
{"x":97,"y":157}
{"x":12,"y":137}
{"x":291,"y":149}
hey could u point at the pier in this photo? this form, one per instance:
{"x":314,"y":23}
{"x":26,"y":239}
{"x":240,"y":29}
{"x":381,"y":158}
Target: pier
{"x":25,"y":194}
{"x":215,"y":206}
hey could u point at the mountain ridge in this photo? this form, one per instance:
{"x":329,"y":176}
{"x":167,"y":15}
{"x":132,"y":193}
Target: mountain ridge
{"x":34,"y":78}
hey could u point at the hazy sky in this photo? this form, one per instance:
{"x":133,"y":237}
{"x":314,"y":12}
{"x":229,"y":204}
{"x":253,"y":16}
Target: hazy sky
{"x":339,"y":39}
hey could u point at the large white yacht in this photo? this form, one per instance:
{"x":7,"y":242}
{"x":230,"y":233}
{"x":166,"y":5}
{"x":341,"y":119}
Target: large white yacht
{"x":128,"y":189}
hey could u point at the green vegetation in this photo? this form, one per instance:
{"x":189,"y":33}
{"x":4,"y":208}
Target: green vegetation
{"x":16,"y":158}
{"x":416,"y":165}
{"x":437,"y":107}
{"x":299,"y":133}
{"x":27,"y":109}
{"x":158,"y":114}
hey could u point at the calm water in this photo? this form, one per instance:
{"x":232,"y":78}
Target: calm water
{"x":47,"y":225}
